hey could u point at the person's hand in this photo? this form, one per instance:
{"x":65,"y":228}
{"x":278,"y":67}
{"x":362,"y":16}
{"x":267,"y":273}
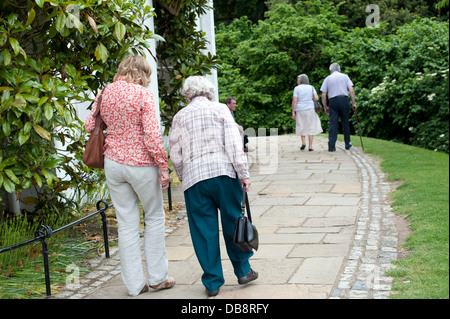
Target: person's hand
{"x":164,"y":179}
{"x":247,"y":183}
{"x":294,"y":116}
{"x":354,"y":107}
{"x":327,"y":111}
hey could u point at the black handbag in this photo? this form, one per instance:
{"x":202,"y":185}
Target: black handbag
{"x":245,"y":233}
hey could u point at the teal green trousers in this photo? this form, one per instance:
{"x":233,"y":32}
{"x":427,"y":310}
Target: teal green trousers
{"x":203,"y":201}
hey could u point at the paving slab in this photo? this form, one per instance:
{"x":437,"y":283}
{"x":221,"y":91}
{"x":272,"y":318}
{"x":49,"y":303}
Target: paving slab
{"x":318,"y":271}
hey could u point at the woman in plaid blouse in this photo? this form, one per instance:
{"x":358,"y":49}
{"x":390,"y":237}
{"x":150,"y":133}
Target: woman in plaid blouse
{"x":207,"y":153}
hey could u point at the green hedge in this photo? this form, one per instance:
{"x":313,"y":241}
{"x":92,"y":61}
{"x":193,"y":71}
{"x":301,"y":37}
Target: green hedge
{"x":52,"y":54}
{"x":400,"y":75}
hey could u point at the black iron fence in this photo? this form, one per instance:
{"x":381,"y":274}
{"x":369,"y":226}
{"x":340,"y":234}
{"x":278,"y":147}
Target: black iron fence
{"x":44,"y":232}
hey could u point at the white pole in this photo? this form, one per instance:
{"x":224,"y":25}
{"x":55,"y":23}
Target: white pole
{"x":153,"y":64}
{"x":206,"y":23}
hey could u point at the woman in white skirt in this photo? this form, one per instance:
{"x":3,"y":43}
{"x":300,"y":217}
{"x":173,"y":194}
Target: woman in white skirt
{"x":304,"y":113}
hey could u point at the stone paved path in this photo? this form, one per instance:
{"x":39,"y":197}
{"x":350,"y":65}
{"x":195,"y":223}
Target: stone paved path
{"x":326,"y":231}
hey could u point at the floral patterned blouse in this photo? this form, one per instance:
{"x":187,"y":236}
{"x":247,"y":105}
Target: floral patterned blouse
{"x":133,"y":134}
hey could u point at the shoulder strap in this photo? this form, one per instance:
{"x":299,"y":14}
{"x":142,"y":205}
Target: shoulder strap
{"x":99,"y":103}
{"x":245,"y":204}
{"x":98,"y":118}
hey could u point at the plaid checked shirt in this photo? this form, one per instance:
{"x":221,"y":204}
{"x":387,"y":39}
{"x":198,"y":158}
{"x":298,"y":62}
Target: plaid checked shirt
{"x":205,"y":143}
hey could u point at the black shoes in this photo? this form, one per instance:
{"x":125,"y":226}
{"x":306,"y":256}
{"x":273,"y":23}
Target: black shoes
{"x":212,"y":293}
{"x":303,"y":148}
{"x":252,"y":275}
{"x":347,"y":147}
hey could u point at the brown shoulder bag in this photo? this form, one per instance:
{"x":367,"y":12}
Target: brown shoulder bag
{"x":93,"y":154}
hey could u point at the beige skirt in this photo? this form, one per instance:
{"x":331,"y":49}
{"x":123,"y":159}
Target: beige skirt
{"x":308,"y":123}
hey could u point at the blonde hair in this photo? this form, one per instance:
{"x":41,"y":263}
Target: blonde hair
{"x":135,"y":69}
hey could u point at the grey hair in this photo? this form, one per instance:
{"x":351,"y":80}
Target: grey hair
{"x":303,"y":78}
{"x":195,"y":86}
{"x":335,"y":67}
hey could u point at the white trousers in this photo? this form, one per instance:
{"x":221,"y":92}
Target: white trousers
{"x":128,"y":185}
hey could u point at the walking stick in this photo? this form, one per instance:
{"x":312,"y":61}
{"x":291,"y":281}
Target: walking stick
{"x":359,"y":129}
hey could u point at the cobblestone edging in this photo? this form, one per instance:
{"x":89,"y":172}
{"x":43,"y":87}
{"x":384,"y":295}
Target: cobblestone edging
{"x":376,"y":238}
{"x":104,"y":269}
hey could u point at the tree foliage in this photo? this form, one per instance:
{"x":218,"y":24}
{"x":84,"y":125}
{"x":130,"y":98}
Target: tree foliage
{"x":394,"y":13}
{"x":227,"y":10}
{"x":400,"y":74}
{"x":403,"y":81}
{"x":261,"y":62}
{"x":183,"y":53}
{"x":52,"y":54}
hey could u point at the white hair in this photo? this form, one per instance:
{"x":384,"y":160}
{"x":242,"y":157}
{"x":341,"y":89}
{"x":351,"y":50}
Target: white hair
{"x":195,"y":86}
{"x":335,"y":67}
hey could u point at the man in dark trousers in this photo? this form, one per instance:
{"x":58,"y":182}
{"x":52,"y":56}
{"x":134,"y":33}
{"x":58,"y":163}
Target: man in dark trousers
{"x":338,"y":86}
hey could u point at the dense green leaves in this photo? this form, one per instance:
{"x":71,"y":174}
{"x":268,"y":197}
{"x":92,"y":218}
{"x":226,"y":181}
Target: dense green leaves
{"x":181,"y":54}
{"x":400,"y":75}
{"x":407,"y":87}
{"x":261,"y":62}
{"x":52,"y":55}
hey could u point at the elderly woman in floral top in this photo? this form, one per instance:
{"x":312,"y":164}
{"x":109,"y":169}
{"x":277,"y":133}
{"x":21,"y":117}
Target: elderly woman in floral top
{"x":207,"y":153}
{"x":136,"y":170}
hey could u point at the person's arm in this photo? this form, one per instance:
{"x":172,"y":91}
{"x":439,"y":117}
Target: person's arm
{"x":324,"y":90}
{"x":176,"y":153}
{"x":353,"y":97}
{"x":315,"y":97}
{"x":153,"y":139}
{"x":324,"y":103}
{"x":294,"y":106}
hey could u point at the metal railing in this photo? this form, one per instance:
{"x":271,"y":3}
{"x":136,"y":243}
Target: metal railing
{"x":44,"y":232}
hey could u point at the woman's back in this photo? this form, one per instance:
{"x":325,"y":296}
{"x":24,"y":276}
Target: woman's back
{"x":304,"y":94}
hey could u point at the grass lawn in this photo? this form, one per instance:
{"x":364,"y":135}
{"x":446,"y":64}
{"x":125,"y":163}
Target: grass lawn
{"x":423,"y":199}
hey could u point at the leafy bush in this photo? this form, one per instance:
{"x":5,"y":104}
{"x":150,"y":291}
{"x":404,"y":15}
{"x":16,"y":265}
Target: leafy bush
{"x":182,"y":54}
{"x":261,"y":62}
{"x":52,"y":54}
{"x":393,"y":13}
{"x":401,"y":82}
{"x":400,"y":77}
